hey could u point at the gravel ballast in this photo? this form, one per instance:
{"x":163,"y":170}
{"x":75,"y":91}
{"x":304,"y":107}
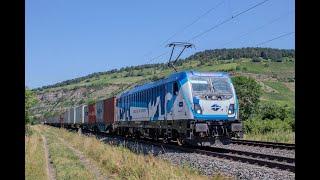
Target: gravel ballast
{"x":207,"y":165}
{"x":210,"y":165}
{"x":256,"y":149}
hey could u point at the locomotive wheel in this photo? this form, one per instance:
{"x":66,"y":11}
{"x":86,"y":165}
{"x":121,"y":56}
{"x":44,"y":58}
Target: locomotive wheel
{"x":165,"y":140}
{"x":180,"y":141}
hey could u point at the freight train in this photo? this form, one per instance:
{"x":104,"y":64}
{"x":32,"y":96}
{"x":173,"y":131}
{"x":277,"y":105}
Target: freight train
{"x":187,"y":107}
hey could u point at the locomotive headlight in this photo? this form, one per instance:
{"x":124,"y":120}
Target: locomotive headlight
{"x":231,"y":109}
{"x":197,"y":108}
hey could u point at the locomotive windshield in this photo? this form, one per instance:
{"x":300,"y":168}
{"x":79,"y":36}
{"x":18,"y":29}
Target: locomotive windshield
{"x":210,"y":86}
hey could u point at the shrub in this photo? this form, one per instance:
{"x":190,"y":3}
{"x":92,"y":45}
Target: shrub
{"x":91,"y":101}
{"x":290,"y":79}
{"x":248,"y":92}
{"x":82,"y":101}
{"x":256,"y":59}
{"x":155,"y":78}
{"x":140,"y":74}
{"x":273,"y":111}
{"x":30,"y":101}
{"x":259,"y":126}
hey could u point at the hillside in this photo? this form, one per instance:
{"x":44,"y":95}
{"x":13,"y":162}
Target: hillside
{"x":274,"y":69}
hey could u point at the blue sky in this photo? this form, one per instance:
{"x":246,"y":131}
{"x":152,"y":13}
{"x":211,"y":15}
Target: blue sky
{"x":69,"y":39}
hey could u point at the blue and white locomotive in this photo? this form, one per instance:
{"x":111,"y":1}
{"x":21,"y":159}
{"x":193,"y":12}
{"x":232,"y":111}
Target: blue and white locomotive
{"x":188,"y":106}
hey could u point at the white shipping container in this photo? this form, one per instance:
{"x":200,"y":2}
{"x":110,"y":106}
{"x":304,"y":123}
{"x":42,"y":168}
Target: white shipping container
{"x":80,"y":114}
{"x":56,"y":119}
{"x":72,"y":115}
{"x":99,"y":111}
{"x":49,"y":120}
{"x":65,"y":117}
{"x":86,"y":115}
{"x":52,"y":119}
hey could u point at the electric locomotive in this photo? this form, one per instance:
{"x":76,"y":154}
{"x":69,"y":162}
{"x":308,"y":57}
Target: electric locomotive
{"x":187,"y":107}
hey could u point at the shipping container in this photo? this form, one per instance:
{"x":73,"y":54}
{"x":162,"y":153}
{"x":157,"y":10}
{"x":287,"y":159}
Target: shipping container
{"x":55,"y":119}
{"x":109,"y":110}
{"x":61,"y":118}
{"x":80,"y":114}
{"x":86,"y":115}
{"x":66,"y":117}
{"x":72,"y":115}
{"x":92,"y":114}
{"x":99,"y":112}
{"x":49,"y":120}
{"x":78,"y":118}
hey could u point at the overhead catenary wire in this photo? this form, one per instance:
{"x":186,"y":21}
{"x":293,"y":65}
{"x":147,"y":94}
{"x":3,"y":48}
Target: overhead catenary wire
{"x":258,"y":28}
{"x":278,"y":37}
{"x":193,"y":22}
{"x":162,"y":54}
{"x":226,"y":20}
{"x":229,"y":19}
{"x":184,"y":28}
{"x":217,"y":25}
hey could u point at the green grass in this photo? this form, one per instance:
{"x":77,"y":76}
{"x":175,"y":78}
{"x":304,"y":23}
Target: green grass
{"x":218,"y":67}
{"x":276,"y":136}
{"x":273,"y":67}
{"x":282,"y":96}
{"x":66,"y":164}
{"x":281,"y":69}
{"x":121,"y":163}
{"x":35,"y":162}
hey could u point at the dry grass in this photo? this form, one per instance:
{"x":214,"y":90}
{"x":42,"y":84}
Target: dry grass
{"x":35,"y":162}
{"x":276,"y":136}
{"x":66,"y":164}
{"x":121,"y":163}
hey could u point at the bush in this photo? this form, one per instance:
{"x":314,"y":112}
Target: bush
{"x":155,"y":78}
{"x":140,"y":74}
{"x":273,"y":111}
{"x":30,"y":101}
{"x":82,"y":101}
{"x":248,"y":92}
{"x":256,"y":59}
{"x":259,"y":126}
{"x":91,"y":101}
{"x":290,"y":79}
{"x":291,"y":122}
{"x":238,"y":68}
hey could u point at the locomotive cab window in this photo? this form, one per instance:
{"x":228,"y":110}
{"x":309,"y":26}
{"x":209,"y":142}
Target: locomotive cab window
{"x":175,"y":88}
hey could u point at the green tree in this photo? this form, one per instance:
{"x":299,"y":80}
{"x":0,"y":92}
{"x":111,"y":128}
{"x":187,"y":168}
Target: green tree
{"x":30,"y":101}
{"x":248,"y":92}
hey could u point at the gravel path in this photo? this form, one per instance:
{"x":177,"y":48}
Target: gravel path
{"x":50,"y":169}
{"x":85,"y":161}
{"x":207,"y":165}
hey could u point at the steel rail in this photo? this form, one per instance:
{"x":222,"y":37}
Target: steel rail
{"x":264,"y":144}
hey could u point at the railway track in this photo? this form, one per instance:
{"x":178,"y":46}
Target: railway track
{"x":264,"y":144}
{"x":271,"y":161}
